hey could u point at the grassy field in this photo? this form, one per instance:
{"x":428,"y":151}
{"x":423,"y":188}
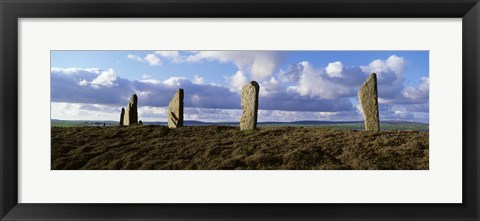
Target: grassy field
{"x":153,"y":147}
{"x":387,"y":125}
{"x":81,"y":123}
{"x":358,"y":126}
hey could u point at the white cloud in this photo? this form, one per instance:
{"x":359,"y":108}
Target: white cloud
{"x":292,"y":74}
{"x":146,"y":78}
{"x":334,"y":69}
{"x":198,"y":80}
{"x":148,"y":113}
{"x":310,"y":80}
{"x":213,"y":114}
{"x":313,"y":83}
{"x":393,"y":64}
{"x":175,"y":81}
{"x":396,"y":64}
{"x":401,"y":112}
{"x":152,"y":60}
{"x":79,"y":111}
{"x":376,"y":66}
{"x":89,"y":86}
{"x":83,"y":82}
{"x":418,"y":93}
{"x":106,"y":78}
{"x":389,"y":76}
{"x":136,"y":58}
{"x":150,"y":81}
{"x":263,"y":66}
{"x":258,"y":64}
{"x":289,"y":116}
{"x":174,"y":56}
{"x":332,"y":82}
{"x":236,"y":82}
{"x":269,"y":87}
{"x":75,"y":70}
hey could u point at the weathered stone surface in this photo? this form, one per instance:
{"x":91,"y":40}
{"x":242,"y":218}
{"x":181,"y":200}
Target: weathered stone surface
{"x":122,"y":115}
{"x":131,"y":114}
{"x":249,"y":106}
{"x":368,"y":98}
{"x":175,"y":110}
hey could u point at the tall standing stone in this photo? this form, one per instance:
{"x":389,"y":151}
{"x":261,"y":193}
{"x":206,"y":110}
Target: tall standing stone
{"x":249,"y":106}
{"x":122,"y":114}
{"x":131,"y":114}
{"x":368,"y":98}
{"x":175,"y":110}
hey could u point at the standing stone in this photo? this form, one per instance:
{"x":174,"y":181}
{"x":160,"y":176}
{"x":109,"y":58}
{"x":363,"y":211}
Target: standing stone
{"x":131,"y":115}
{"x":175,"y":110}
{"x":122,"y":114}
{"x":249,"y":106}
{"x":368,"y":98}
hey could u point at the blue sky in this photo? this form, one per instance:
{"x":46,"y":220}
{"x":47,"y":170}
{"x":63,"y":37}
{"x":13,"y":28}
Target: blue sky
{"x":295,"y":85}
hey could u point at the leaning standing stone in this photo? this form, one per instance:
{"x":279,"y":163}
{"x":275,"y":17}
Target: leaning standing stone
{"x":131,"y":114}
{"x":122,"y":114}
{"x":249,"y":106}
{"x":368,"y":98}
{"x":175,"y":110}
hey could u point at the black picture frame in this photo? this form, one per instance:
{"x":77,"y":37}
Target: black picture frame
{"x":11,"y":10}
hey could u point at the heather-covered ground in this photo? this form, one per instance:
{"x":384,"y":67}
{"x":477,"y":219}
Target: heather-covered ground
{"x":152,"y":147}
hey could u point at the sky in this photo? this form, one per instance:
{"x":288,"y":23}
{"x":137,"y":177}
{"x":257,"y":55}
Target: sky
{"x":294,"y":85}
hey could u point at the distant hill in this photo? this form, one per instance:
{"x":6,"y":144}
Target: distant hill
{"x":79,"y":123}
{"x":357,"y":125}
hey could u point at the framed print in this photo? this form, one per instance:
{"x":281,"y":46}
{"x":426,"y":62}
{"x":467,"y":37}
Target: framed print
{"x":227,"y":110}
